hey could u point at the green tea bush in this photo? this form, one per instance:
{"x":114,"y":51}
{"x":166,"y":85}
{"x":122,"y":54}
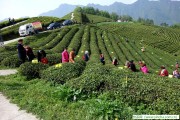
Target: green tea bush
{"x":146,"y":94}
{"x":76,"y":41}
{"x":64,"y":73}
{"x":94,"y":46}
{"x":66,"y":39}
{"x":6,"y":54}
{"x":53,"y":42}
{"x":84,"y":43}
{"x":53,"y":58}
{"x":10,"y":48}
{"x":11,"y":61}
{"x":9,"y":34}
{"x":44,"y":41}
{"x":151,"y":94}
{"x":92,"y":80}
{"x":7,"y":23}
{"x":31,"y":70}
{"x":102,"y":47}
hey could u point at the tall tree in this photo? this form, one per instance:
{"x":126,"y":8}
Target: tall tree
{"x":114,"y":16}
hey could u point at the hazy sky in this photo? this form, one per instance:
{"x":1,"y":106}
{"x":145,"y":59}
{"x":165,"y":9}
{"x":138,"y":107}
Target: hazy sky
{"x":21,"y":8}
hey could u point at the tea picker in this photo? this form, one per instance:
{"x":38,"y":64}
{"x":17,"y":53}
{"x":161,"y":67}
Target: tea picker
{"x":1,"y":41}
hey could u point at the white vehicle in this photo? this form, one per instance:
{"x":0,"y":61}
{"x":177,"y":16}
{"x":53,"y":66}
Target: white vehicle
{"x":30,"y":28}
{"x":26,"y":29}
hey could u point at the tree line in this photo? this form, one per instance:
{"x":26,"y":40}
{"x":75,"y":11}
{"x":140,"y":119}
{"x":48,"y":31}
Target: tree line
{"x":115,"y":16}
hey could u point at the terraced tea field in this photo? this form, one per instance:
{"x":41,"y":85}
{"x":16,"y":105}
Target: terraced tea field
{"x":166,"y":39}
{"x":112,"y":43}
{"x":90,"y":90}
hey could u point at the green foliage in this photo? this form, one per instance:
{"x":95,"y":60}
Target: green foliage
{"x":12,"y":32}
{"x":114,"y":16}
{"x":102,"y":47}
{"x":7,"y":23}
{"x":84,"y":43}
{"x":31,"y":70}
{"x":64,"y":73}
{"x":92,"y":79}
{"x":147,"y":21}
{"x":65,"y":41}
{"x":94,"y":47}
{"x":90,"y":15}
{"x":125,"y":18}
{"x":53,"y":59}
{"x":5,"y":55}
{"x":51,"y":102}
{"x":91,"y":90}
{"x":76,"y":41}
{"x":176,"y":26}
{"x":11,"y":61}
{"x":144,"y":35}
{"x":164,"y":24}
{"x":104,"y":109}
{"x":56,"y":40}
{"x":148,"y":94}
{"x":143,"y":93}
{"x":97,"y":19}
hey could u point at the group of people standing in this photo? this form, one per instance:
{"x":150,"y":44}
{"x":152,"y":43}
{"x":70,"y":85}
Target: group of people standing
{"x":24,"y":52}
{"x":27,"y":53}
{"x":68,"y":57}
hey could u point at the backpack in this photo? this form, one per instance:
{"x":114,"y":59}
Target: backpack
{"x":44,"y":60}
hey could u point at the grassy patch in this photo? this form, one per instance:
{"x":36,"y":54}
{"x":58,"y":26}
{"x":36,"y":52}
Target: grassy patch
{"x":122,"y":95}
{"x":53,"y":102}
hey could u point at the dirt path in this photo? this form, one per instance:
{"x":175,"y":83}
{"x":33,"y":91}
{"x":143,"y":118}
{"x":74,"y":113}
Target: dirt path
{"x":9,"y":111}
{"x":13,"y":25}
{"x":7,"y":72}
{"x":10,"y":41}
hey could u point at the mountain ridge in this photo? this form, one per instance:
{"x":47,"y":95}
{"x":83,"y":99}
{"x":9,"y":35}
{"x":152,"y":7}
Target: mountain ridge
{"x":162,"y":11}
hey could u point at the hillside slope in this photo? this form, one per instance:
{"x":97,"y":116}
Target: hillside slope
{"x":166,"y":39}
{"x":108,"y":91}
{"x":87,"y":18}
{"x":110,"y":39}
{"x":12,"y":31}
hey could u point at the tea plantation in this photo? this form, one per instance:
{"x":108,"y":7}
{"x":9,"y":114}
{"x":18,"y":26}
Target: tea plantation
{"x":90,"y":90}
{"x":12,"y":31}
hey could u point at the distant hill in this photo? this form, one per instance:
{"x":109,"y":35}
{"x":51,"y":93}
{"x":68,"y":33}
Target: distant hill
{"x":5,"y":19}
{"x":61,"y":11}
{"x":160,"y":11}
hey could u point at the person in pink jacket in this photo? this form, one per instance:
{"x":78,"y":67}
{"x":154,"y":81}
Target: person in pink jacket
{"x":65,"y":56}
{"x":144,"y":69}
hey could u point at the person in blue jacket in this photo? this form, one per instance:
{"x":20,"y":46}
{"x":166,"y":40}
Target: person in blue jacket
{"x":86,"y":56}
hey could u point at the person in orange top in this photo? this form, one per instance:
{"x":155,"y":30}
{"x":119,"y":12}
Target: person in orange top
{"x":72,"y":56}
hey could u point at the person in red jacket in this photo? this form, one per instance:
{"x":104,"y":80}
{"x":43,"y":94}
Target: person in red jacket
{"x":163,"y":72}
{"x":29,"y":53}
